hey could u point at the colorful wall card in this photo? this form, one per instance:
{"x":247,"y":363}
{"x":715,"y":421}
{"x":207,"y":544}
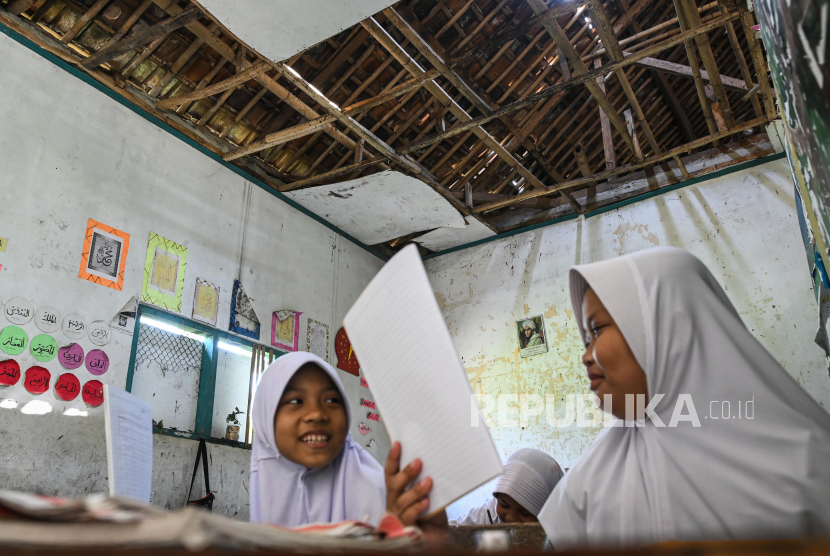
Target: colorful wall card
{"x":93,"y":393}
{"x":373,"y":416}
{"x":99,"y":333}
{"x":317,"y":339}
{"x":74,"y":326}
{"x":37,"y":380}
{"x":104,"y":255}
{"x":346,"y":358}
{"x":285,"y":330}
{"x":9,"y":372}
{"x":205,"y":302}
{"x":363,"y":382}
{"x":366,"y":403}
{"x":364,"y":428}
{"x":243,"y":318}
{"x":97,"y":362}
{"x":3,"y":244}
{"x":18,"y":310}
{"x":43,"y":347}
{"x":47,"y":319}
{"x":71,"y":357}
{"x":13,"y":340}
{"x":164,"y":273}
{"x":67,"y":387}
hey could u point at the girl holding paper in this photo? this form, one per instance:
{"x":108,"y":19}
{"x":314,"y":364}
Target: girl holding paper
{"x":306,"y":468}
{"x":657,"y":323}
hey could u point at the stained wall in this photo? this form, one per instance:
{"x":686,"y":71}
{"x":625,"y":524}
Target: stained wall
{"x":69,"y":153}
{"x":742,"y":226}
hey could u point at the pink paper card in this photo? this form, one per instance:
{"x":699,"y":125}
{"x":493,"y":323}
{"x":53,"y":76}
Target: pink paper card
{"x":363,"y":382}
{"x":364,"y":428}
{"x":367,"y":403}
{"x":373,"y":416}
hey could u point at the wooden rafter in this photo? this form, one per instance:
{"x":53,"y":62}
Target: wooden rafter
{"x":493,"y":101}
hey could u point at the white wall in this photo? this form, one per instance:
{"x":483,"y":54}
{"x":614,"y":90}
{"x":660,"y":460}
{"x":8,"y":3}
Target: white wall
{"x":68,"y":153}
{"x":742,"y":226}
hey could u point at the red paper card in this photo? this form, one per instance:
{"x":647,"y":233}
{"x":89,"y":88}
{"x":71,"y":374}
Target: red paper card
{"x":374,"y":416}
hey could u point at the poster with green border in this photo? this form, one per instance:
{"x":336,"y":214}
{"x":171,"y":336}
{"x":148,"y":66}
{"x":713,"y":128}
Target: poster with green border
{"x":164,"y":273}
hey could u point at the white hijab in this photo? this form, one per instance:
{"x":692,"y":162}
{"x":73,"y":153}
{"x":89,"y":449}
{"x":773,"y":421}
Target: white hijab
{"x":529,"y":477}
{"x":284,"y":493}
{"x":738,"y":478}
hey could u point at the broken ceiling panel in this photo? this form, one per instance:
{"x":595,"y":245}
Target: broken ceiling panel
{"x":444,"y":238}
{"x":279,"y":29}
{"x":380,"y":207}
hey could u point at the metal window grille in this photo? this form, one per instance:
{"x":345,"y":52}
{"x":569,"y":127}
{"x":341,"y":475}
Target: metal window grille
{"x":173,"y":353}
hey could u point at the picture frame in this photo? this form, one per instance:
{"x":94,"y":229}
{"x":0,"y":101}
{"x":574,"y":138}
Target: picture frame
{"x":532,"y":336}
{"x":104,"y":255}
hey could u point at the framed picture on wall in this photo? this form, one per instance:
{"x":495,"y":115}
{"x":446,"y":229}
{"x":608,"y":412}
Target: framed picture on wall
{"x":104,"y":255}
{"x":532,"y":338}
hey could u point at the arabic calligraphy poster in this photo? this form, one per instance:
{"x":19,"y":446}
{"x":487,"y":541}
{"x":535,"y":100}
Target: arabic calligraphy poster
{"x":205,"y":302}
{"x":285,"y":329}
{"x":164,"y":273}
{"x":104,"y":255}
{"x":317,"y":339}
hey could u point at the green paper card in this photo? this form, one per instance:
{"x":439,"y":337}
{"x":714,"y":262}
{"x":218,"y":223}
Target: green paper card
{"x":13,"y":340}
{"x":164,"y":273}
{"x":43,"y":347}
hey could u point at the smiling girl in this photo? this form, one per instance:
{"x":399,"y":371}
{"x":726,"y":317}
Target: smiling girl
{"x":657,"y":323}
{"x":305,"y":466}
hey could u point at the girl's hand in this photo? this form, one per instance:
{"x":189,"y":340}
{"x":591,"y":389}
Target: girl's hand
{"x":405,"y":504}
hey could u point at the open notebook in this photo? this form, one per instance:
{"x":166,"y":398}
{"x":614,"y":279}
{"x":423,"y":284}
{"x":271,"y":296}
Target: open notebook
{"x":419,"y":384}
{"x":129,"y":429}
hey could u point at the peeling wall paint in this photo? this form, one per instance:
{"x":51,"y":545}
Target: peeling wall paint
{"x":742,"y":226}
{"x":77,"y":154}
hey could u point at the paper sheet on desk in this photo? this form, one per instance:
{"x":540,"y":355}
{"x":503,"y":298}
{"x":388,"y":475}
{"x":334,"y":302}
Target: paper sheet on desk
{"x":419,"y":384}
{"x":129,"y":429}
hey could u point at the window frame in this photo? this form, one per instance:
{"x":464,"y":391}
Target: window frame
{"x":207,"y":373}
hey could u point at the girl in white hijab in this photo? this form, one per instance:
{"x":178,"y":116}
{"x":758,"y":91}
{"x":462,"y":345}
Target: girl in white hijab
{"x":657,"y":323}
{"x":305,"y":467}
{"x":521,"y":490}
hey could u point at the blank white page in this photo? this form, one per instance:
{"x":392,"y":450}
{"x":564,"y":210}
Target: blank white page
{"x":129,"y":425}
{"x":419,"y":384}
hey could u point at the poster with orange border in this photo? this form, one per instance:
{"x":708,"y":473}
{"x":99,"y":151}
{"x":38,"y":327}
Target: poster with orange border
{"x":104,"y":255}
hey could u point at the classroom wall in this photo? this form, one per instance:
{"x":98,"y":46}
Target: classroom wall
{"x":69,"y":153}
{"x":742,"y":226}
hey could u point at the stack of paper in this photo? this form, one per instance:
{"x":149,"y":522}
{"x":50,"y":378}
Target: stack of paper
{"x":129,"y":429}
{"x":419,"y":384}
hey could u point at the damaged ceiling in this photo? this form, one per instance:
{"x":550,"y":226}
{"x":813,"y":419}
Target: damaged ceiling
{"x":508,"y":112}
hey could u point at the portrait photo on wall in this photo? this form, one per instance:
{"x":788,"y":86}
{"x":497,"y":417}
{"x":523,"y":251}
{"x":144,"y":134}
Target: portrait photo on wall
{"x":532,"y":339}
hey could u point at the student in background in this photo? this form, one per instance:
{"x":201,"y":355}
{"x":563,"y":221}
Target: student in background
{"x":658,"y":323}
{"x":306,"y":468}
{"x":521,"y":490}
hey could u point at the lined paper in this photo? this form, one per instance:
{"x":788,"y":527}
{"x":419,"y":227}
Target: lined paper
{"x":129,"y":426}
{"x":419,"y":383}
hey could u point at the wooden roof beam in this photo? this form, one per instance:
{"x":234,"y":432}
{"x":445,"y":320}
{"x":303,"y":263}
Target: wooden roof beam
{"x":148,"y":35}
{"x":445,"y":99}
{"x":609,"y":40}
{"x":312,"y":126}
{"x":382,"y":147}
{"x":495,"y":43}
{"x":671,"y":68}
{"x":199,"y":30}
{"x":692,"y":19}
{"x":573,"y":82}
{"x":566,"y":48}
{"x":583,"y":182}
{"x":761,"y":67}
{"x":231,"y":82}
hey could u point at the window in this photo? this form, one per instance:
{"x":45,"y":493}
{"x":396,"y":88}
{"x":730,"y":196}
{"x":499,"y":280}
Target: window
{"x":199,"y":380}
